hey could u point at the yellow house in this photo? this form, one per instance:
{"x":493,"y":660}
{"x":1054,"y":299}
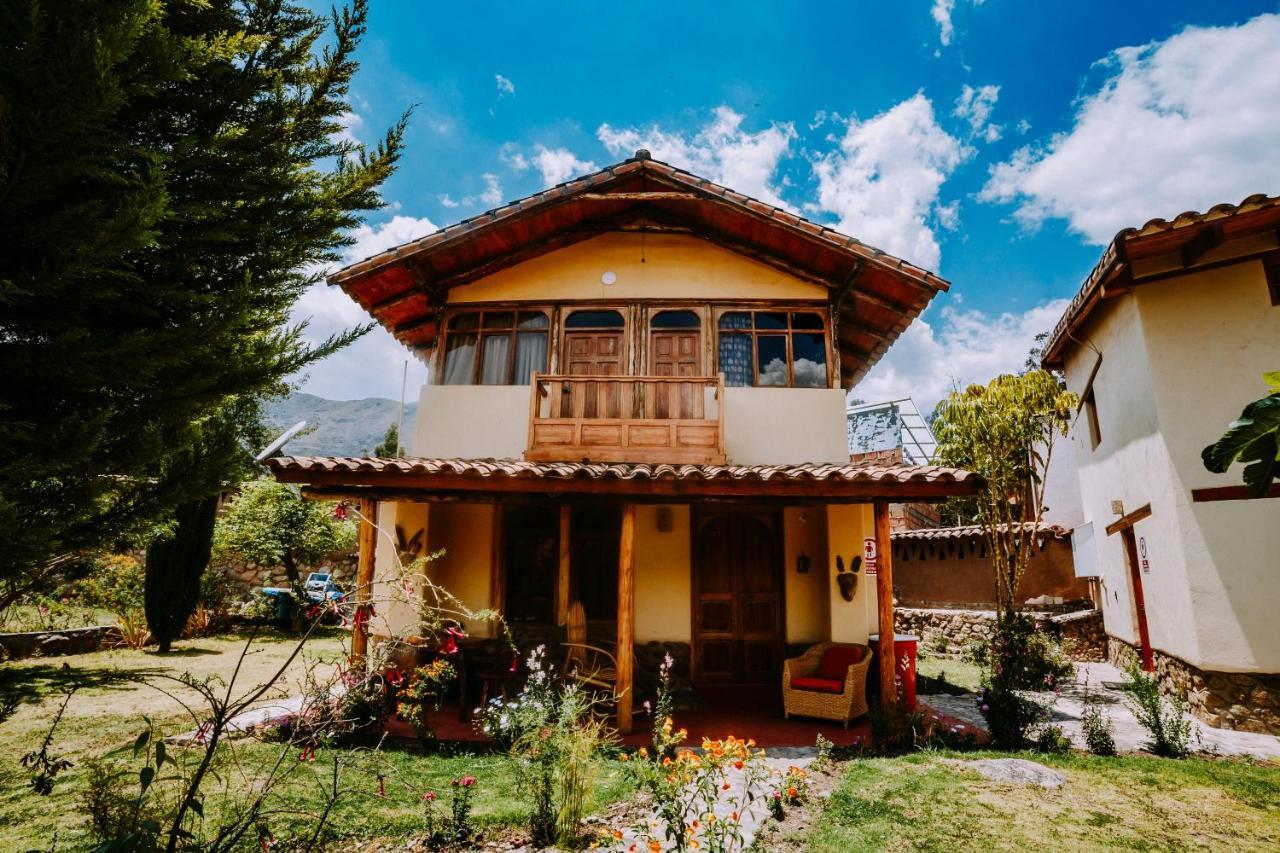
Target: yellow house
{"x":1166,"y":343}
{"x":636,"y":402}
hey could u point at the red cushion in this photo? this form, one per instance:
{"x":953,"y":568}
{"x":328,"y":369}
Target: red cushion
{"x":822,"y":685}
{"x":836,"y":661}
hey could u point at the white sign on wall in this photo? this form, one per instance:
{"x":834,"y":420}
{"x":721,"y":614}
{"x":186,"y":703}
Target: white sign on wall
{"x":869,"y":554}
{"x":1142,"y":555}
{"x":1084,"y":551}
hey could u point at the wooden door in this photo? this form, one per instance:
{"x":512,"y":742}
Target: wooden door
{"x":677,"y":352}
{"x":737,"y":599}
{"x":593,"y":353}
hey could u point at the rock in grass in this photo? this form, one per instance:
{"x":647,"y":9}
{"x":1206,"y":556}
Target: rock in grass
{"x":1018,"y":771}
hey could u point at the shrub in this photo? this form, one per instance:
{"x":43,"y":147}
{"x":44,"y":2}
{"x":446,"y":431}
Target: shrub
{"x":114,"y":583}
{"x":132,"y":626}
{"x":424,"y":693}
{"x":1052,"y":740}
{"x":1165,"y":720}
{"x":117,"y":810}
{"x":455,"y":830}
{"x":1024,"y":658}
{"x":1096,"y":725}
{"x":938,"y":644}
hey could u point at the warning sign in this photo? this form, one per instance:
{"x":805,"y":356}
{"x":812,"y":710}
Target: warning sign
{"x":1142,"y":555}
{"x":869,"y":554}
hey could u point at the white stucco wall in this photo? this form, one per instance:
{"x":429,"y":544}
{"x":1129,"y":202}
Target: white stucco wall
{"x":782,"y":426}
{"x":472,"y":421}
{"x":1181,"y":357}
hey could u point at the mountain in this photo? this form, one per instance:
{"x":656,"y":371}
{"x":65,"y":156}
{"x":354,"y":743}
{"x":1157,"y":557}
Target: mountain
{"x":340,"y":427}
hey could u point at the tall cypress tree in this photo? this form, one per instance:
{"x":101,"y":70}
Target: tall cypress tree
{"x":172,"y":179}
{"x":175,"y":564}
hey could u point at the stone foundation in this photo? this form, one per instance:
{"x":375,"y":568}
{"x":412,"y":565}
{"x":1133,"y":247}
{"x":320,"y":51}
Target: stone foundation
{"x":1247,"y":702}
{"x":246,"y":577}
{"x":952,"y":631}
{"x":73,"y":641}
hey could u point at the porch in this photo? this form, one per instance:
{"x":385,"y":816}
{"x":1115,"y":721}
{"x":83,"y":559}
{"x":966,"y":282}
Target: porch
{"x":742,"y":565}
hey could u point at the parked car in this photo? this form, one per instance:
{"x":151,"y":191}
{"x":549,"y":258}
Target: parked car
{"x":319,"y":587}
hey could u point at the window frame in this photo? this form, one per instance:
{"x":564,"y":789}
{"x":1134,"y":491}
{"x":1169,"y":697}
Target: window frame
{"x":821,"y":311}
{"x":512,"y":333}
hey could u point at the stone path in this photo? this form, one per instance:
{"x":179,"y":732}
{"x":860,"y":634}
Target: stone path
{"x":1129,"y":736}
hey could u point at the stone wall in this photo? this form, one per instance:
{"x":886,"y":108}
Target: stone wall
{"x":73,"y":641}
{"x":1248,"y":702}
{"x":1080,"y":631}
{"x":247,"y":576}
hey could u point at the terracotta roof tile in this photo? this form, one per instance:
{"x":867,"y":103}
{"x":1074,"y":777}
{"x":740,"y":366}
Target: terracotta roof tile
{"x":969,"y":531}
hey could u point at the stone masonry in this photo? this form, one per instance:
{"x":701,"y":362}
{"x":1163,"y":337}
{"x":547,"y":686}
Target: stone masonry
{"x":247,"y":576}
{"x":1248,"y":702}
{"x":1080,"y":631}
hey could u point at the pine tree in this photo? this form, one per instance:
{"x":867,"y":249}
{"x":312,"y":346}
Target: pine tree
{"x":175,"y":564}
{"x":390,"y":447}
{"x":171,"y":181}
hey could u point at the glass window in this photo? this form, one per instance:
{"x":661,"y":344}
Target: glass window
{"x":479,"y":347}
{"x":675,"y":320}
{"x":773,"y":349}
{"x":593,"y":320}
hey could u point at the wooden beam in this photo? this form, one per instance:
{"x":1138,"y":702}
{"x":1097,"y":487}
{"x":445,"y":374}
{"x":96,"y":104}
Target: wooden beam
{"x":657,"y":195}
{"x":1128,"y":520}
{"x":562,"y":580}
{"x":626,"y":617}
{"x":1231,"y":493}
{"x":884,"y":605}
{"x":1198,"y":245}
{"x":368,"y":540}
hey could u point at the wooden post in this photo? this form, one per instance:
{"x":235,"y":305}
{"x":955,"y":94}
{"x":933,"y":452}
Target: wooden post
{"x":562,"y":581}
{"x":626,"y":616}
{"x":884,"y":602}
{"x":368,"y":539}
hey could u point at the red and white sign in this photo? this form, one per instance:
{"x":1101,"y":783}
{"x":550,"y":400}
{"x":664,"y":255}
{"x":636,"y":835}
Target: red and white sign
{"x":1142,"y":555}
{"x":869,"y":554}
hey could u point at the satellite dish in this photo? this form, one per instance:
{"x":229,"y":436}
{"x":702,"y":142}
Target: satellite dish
{"x":280,"y":442}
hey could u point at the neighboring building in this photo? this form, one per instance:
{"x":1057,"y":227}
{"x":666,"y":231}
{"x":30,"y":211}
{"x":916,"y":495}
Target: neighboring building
{"x":895,"y":425}
{"x":636,"y":400}
{"x":1165,"y":344}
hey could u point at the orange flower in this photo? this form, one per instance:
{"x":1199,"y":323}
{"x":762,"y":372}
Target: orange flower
{"x":695,"y":823}
{"x":644,"y":753}
{"x":655,"y":846}
{"x":624,"y":757}
{"x":725,"y":786}
{"x":733,"y":816}
{"x":751,"y":742}
{"x":792,"y":792}
{"x":617,"y":835}
{"x":738,"y":764}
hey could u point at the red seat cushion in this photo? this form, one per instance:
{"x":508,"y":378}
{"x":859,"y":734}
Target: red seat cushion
{"x":836,"y":661}
{"x":822,"y":685}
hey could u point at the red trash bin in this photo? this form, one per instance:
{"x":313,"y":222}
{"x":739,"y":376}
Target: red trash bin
{"x":904,"y":664}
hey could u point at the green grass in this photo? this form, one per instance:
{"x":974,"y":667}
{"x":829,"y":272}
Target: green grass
{"x":958,"y":672}
{"x":105,"y":716}
{"x":928,"y":801}
{"x":26,"y":617}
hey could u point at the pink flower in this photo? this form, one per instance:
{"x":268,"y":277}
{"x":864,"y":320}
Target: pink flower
{"x":468,"y":781}
{"x":429,"y":797}
{"x":340,"y":511}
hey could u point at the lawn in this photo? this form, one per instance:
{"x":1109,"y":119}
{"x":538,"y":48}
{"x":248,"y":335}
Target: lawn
{"x":928,"y":801}
{"x":385,"y":786}
{"x":959,"y":672}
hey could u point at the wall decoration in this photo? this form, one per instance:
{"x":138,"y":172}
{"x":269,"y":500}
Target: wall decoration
{"x":848,"y":580}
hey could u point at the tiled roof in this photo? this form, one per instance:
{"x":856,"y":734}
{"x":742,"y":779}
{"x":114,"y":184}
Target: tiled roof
{"x":1121,"y":248}
{"x":855,"y":472}
{"x":642,"y":161}
{"x":969,"y":531}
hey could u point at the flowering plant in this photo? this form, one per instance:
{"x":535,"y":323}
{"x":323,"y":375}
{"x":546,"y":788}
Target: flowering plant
{"x":426,"y":689}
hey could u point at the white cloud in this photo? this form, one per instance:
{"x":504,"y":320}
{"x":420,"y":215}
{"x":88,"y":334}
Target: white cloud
{"x":492,"y":193}
{"x":505,"y":86}
{"x":883,"y":182}
{"x":372,"y":366}
{"x":447,"y":201}
{"x":961,"y":348}
{"x":941,"y":12}
{"x":556,"y":165}
{"x":1181,"y":124}
{"x":721,"y":151}
{"x":975,"y":106}
{"x":349,"y":121}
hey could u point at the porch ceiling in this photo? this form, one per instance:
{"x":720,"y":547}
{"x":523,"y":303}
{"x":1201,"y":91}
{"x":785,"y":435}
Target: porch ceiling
{"x":425,"y":479}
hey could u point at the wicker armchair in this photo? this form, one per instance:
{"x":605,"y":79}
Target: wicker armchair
{"x":815,"y":696}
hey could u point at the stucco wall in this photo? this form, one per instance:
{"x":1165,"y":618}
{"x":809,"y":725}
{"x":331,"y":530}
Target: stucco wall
{"x":663,"y":593}
{"x":851,"y":621}
{"x":780,"y":426}
{"x":1180,"y":359}
{"x":472,"y":421}
{"x":958,"y":573}
{"x":395,"y":615}
{"x":808,"y":611}
{"x":465,"y":533}
{"x":652,"y":266}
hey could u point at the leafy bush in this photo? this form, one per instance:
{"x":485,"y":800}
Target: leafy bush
{"x":1166,"y":720}
{"x":938,"y":644}
{"x":1097,"y":726}
{"x":1052,"y":740}
{"x":1024,"y":658}
{"x":115,"y":583}
{"x":118,"y":811}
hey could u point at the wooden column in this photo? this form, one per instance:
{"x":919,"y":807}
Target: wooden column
{"x":626,"y":616}
{"x":562,"y":581}
{"x":884,"y":605}
{"x":368,"y":539}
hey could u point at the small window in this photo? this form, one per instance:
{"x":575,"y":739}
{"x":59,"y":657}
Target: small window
{"x":594,"y":320}
{"x":1090,"y":402}
{"x":773,"y":349}
{"x":675,"y":320}
{"x":495,"y":347}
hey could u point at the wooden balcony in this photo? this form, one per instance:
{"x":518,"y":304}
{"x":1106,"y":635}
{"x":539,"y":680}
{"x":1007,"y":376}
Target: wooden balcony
{"x":673,"y":419}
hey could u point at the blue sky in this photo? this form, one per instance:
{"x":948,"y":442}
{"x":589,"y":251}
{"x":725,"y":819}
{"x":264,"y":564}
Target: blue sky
{"x":1000,"y":144}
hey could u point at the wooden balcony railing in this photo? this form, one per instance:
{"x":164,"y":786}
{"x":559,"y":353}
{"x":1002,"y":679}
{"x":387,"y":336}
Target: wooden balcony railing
{"x":654,"y":419}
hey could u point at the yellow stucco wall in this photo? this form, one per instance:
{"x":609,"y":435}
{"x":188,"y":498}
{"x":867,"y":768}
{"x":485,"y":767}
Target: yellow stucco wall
{"x":663,"y":604}
{"x":808,"y":613}
{"x":465,"y":532}
{"x":851,"y":621}
{"x":396,"y":615}
{"x":655,"y":266}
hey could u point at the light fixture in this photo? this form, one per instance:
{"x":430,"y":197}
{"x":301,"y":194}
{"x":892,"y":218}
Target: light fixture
{"x":609,"y":277}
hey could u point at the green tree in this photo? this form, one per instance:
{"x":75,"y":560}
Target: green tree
{"x":1005,"y":431}
{"x":270,"y":523}
{"x":175,"y":564}
{"x":390,"y":446}
{"x":172,"y":179}
{"x":1252,"y":438}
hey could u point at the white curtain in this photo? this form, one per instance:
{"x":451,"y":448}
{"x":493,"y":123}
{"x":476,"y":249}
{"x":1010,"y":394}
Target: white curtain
{"x":460,"y":360}
{"x":497,"y":348}
{"x":531,"y":356}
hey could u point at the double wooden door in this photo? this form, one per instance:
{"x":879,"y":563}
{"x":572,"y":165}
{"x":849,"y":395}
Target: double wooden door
{"x":677,"y":352}
{"x":737,"y":598}
{"x":593,"y":353}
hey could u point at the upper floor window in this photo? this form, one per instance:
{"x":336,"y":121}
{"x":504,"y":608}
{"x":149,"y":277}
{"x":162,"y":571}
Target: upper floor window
{"x":773,"y":348}
{"x":495,"y":347}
